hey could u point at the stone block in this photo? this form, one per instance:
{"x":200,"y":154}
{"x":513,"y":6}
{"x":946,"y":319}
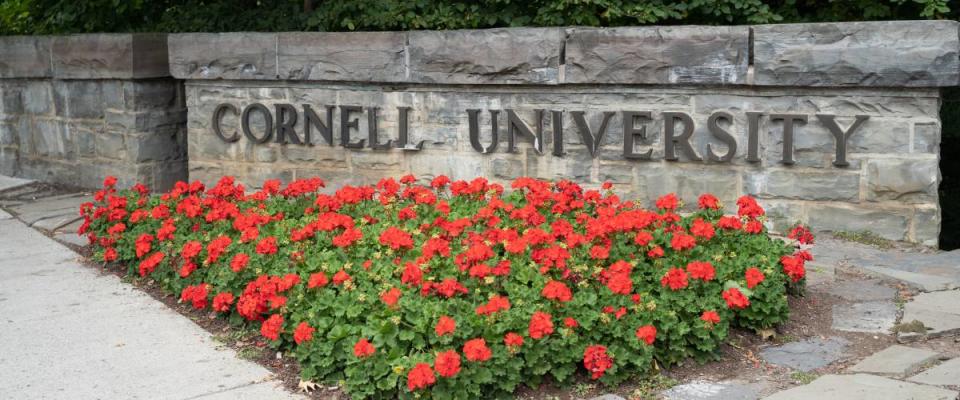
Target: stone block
{"x":806,"y":355}
{"x":895,"y":360}
{"x":891,"y":224}
{"x":926,"y":137}
{"x":905,"y":180}
{"x":862,"y":386}
{"x":926,"y":225}
{"x":155,"y":146}
{"x":238,"y":55}
{"x":151,"y":94}
{"x":687,"y":181}
{"x":79,"y":98}
{"x":342,"y":56}
{"x":25,"y":57}
{"x":944,"y":374}
{"x":575,"y":165}
{"x":376,"y":160}
{"x":318,"y":155}
{"x":37,"y":98}
{"x":506,"y":167}
{"x":465,"y":166}
{"x":781,"y":215}
{"x":658,"y":55}
{"x":111,"y":146}
{"x":887,"y":53}
{"x":491,"y":56}
{"x":51,"y":140}
{"x":803,"y":185}
{"x":8,"y":134}
{"x":110,"y":55}
{"x":866,"y":317}
{"x":10,"y":101}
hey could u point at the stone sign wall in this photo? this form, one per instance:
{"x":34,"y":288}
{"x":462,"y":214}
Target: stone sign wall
{"x":74,"y":109}
{"x":835,"y":125}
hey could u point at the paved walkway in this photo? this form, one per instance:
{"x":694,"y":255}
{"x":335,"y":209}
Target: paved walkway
{"x":70,"y":332}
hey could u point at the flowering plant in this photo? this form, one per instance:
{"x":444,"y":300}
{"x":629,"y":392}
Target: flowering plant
{"x":456,"y":289}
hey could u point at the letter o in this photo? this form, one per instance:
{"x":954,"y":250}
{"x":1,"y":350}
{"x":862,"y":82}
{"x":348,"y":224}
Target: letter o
{"x":245,"y":122}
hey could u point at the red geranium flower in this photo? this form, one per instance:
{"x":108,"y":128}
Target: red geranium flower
{"x":512,"y":340}
{"x":556,"y":290}
{"x":396,"y":238}
{"x":445,"y":326}
{"x":708,"y":201}
{"x":794,"y":267}
{"x":340,"y":277}
{"x":701,"y":270}
{"x":476,"y":350}
{"x":643,"y":238}
{"x":391,"y":297}
{"x":420,"y":377}
{"x":596,"y":360}
{"x":682,"y":241}
{"x":668,"y":202}
{"x":735,"y":299}
{"x":222,"y":302}
{"x":540,"y":325}
{"x":702,"y":229}
{"x":272,"y":326}
{"x":675,"y":279}
{"x":801,"y":234}
{"x":570,"y":323}
{"x":267,"y":245}
{"x":647,"y":333}
{"x":303,"y":333}
{"x":447,"y":363}
{"x":191,"y":249}
{"x":239,"y":262}
{"x":363,"y":348}
{"x":754,"y":277}
{"x":710,"y":317}
{"x":316,"y":280}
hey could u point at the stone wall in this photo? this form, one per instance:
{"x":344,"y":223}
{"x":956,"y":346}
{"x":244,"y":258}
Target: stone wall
{"x":886,"y":73}
{"x":74,"y":109}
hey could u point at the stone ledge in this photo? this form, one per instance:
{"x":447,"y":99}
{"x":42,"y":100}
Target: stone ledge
{"x":88,"y":56}
{"x":651,"y":55}
{"x":239,"y":55}
{"x":341,"y":56}
{"x":889,"y":53}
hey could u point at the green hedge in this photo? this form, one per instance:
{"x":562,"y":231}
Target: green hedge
{"x":72,"y":16}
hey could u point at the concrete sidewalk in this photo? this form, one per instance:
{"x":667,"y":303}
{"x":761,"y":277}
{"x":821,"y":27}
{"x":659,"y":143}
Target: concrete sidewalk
{"x":68,"y":331}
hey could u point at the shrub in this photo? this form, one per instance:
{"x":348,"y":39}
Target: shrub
{"x":458,"y":288}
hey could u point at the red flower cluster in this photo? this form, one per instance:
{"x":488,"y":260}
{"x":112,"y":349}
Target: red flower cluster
{"x":596,"y":360}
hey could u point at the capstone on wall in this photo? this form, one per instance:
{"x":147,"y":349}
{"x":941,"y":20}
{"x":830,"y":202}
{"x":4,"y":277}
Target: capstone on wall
{"x":74,"y":109}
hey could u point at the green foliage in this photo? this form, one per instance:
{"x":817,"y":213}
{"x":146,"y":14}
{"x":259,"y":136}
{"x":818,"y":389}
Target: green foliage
{"x":71,"y":16}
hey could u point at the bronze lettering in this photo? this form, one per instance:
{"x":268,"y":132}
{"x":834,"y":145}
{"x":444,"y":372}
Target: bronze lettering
{"x":840,"y":136}
{"x":218,"y":116}
{"x":631,"y":132}
{"x":589,"y":138}
{"x":516,"y":125}
{"x":372,"y":132}
{"x":671,"y":140}
{"x":404,"y":135}
{"x":713,"y":125}
{"x":346,"y":124}
{"x":753,"y":136}
{"x":556,"y":120}
{"x":788,"y":122}
{"x":310,"y":120}
{"x":286,"y":120}
{"x":245,"y":122}
{"x":473,"y":117}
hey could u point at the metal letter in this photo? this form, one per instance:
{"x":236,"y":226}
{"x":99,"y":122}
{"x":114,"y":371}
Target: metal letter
{"x":404,"y":135}
{"x":592,"y":141}
{"x":473,"y":116}
{"x":245,"y":122}
{"x":372,"y":131}
{"x":788,"y":122}
{"x":286,"y":120}
{"x":713,"y":125}
{"x":218,"y":115}
{"x":310,"y":119}
{"x":515,"y":125}
{"x":671,"y":140}
{"x":753,"y":136}
{"x":557,"y":120}
{"x":346,"y":124}
{"x":631,"y":132}
{"x":840,"y":136}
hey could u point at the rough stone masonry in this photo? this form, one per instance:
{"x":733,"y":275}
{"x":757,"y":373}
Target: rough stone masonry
{"x":835,"y":125}
{"x":74,"y":109}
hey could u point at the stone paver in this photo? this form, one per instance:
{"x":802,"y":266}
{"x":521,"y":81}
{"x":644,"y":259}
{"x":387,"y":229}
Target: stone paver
{"x":870,"y":317}
{"x":820,"y":273}
{"x":863,"y":387}
{"x":926,"y":271}
{"x":52,"y":212}
{"x":860,"y":290}
{"x":71,"y":332}
{"x":895,"y":360}
{"x":938,"y":311}
{"x":8,"y":182}
{"x":947,"y":373}
{"x":705,"y":390}
{"x":72,"y":238}
{"x":806,"y":355}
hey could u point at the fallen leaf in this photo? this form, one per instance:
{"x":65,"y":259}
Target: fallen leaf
{"x":307,"y":386}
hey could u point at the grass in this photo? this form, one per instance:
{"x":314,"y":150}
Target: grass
{"x":651,"y":386}
{"x":914,"y":326}
{"x":582,"y":389}
{"x":803,"y":377}
{"x":864,"y":237}
{"x":249,"y":353}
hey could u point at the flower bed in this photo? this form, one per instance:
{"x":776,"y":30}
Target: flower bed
{"x":459,"y":289}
